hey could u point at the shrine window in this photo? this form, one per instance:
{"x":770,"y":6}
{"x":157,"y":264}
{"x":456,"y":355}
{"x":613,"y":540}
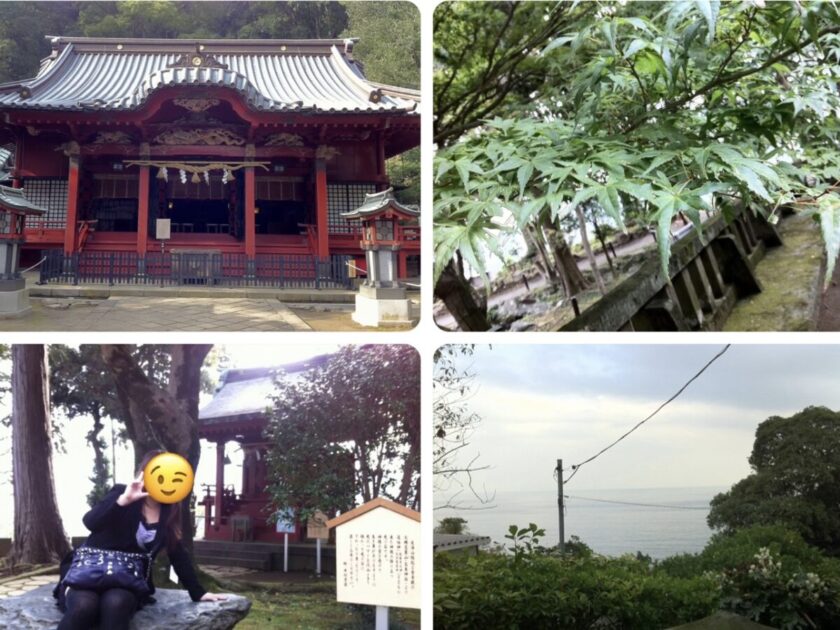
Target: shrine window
{"x":49,"y":193}
{"x":344,"y":198}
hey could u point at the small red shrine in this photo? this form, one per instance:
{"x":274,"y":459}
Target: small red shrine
{"x":237,"y":413}
{"x":248,"y":152}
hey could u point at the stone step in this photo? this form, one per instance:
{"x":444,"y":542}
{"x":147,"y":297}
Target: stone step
{"x":261,"y":563}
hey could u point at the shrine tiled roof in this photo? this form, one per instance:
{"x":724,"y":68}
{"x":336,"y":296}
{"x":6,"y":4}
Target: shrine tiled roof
{"x":6,"y":163}
{"x":14,"y":199}
{"x":377,"y":202}
{"x":245,"y":392}
{"x":113,"y":74}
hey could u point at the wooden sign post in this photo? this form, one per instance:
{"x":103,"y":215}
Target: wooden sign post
{"x":377,"y":550}
{"x":316,"y":527}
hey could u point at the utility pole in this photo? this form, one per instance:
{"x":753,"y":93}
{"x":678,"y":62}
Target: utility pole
{"x":560,"y":510}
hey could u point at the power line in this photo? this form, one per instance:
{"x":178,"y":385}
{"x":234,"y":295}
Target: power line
{"x":577,"y":467}
{"x":653,"y":505}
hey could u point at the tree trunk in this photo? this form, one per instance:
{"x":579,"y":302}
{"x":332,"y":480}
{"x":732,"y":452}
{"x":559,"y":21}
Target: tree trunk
{"x":162,"y":418}
{"x":598,"y":279}
{"x":185,"y":385}
{"x":39,"y":536}
{"x":462,"y":301}
{"x":564,"y":261}
{"x":600,"y":235}
{"x":535,"y":237}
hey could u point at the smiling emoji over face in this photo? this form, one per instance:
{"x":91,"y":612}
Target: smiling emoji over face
{"x":168,"y":478}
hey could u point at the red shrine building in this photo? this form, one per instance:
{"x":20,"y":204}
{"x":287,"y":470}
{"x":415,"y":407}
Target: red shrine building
{"x":223,"y":161}
{"x":236,"y":417}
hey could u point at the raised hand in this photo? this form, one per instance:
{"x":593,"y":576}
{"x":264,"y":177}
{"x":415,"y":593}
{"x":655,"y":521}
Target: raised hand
{"x":133,"y":492}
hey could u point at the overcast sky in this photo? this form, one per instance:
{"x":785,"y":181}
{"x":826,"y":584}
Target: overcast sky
{"x":73,"y":468}
{"x":539,"y":403}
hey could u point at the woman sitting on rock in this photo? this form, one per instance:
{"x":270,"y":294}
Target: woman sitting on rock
{"x":108,"y":578}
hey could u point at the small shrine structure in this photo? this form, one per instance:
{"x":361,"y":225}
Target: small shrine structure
{"x":250,"y":152}
{"x":237,"y":414}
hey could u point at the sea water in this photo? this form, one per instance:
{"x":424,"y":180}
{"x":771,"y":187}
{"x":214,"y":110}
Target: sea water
{"x":660,"y":528}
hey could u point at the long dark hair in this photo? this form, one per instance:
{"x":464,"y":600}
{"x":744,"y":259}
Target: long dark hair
{"x":173,"y":519}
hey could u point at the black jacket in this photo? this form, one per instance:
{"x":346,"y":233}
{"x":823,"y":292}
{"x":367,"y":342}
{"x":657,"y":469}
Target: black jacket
{"x":113,"y":526}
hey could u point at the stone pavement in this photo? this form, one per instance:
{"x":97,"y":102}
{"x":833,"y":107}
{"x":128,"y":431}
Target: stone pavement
{"x":159,"y":313}
{"x":149,"y":308}
{"x":21,"y":586}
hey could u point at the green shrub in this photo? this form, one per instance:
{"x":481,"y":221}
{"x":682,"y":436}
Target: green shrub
{"x":536,"y":591}
{"x":766,"y":591}
{"x":725,"y":551}
{"x":766,"y":573}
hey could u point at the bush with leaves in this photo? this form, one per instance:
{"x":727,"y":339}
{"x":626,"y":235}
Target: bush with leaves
{"x":764,"y":591}
{"x":534,"y":590}
{"x":727,"y":550}
{"x":769,"y":574}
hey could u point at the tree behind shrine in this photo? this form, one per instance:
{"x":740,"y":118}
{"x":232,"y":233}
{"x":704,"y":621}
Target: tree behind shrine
{"x":348,"y":431}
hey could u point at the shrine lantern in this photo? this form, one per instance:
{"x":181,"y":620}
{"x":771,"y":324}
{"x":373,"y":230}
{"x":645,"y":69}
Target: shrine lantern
{"x":381,"y":300}
{"x":381,"y":217}
{"x":14,"y":208}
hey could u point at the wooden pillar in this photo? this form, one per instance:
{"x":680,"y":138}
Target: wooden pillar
{"x":143,"y":211}
{"x":250,"y":213}
{"x":220,"y":484}
{"x":321,"y":214}
{"x":402,"y":265}
{"x":72,"y":206}
{"x":16,"y":183}
{"x":380,"y":160}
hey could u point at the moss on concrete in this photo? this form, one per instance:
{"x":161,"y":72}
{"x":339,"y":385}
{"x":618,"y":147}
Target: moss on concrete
{"x":790,"y":277}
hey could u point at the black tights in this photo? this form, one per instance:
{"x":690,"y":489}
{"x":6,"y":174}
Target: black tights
{"x":112,"y":608}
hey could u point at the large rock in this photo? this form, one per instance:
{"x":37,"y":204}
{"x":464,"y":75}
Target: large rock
{"x":174,"y":610}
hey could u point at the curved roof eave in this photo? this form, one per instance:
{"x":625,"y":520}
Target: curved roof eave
{"x":340,"y":88}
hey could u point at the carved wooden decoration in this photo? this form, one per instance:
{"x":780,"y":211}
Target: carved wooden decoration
{"x":196,"y":104}
{"x":113,"y":137}
{"x":284,"y":140}
{"x":197,"y":59}
{"x":325,"y":152}
{"x":70,"y":149}
{"x":212,"y":137}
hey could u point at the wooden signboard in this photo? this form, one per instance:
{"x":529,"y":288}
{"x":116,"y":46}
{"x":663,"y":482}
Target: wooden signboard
{"x":378,"y":555}
{"x":316,"y":527}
